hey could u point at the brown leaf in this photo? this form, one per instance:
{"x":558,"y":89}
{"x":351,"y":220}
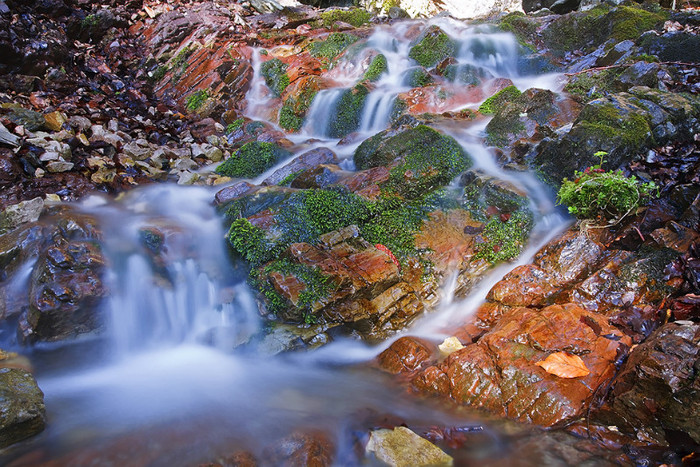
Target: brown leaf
{"x":564,"y":365}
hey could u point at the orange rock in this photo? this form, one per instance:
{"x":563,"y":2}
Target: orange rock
{"x":406,"y":355}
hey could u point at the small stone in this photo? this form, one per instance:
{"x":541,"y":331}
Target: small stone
{"x":20,"y":213}
{"x":7,"y":138}
{"x":212,"y":153}
{"x":401,"y":447}
{"x":53,"y":198}
{"x":187,"y":178}
{"x":450,"y":345}
{"x":49,"y":156}
{"x":59,"y":166}
{"x":55,"y":121}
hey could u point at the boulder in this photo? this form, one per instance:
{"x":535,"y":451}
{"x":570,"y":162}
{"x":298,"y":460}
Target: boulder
{"x":656,"y":395}
{"x":500,"y":371}
{"x":432,"y":47}
{"x":401,"y":447}
{"x":22,"y":410}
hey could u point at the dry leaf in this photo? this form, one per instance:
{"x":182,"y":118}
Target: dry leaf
{"x":564,"y":365}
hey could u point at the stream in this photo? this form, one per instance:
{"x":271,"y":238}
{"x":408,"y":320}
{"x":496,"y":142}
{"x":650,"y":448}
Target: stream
{"x":175,"y":379}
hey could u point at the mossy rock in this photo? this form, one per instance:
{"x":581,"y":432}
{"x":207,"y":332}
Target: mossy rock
{"x":354,"y":16}
{"x":417,"y":77}
{"x":495,"y":102}
{"x":432,"y":47}
{"x":524,"y":27}
{"x":332,"y":46}
{"x":466,"y":74}
{"x":425,"y":159}
{"x":252,"y":159}
{"x":298,"y":102}
{"x":348,"y":112}
{"x":377,"y":67}
{"x":22,"y":410}
{"x":274,"y":72}
{"x":587,"y":30}
{"x":518,"y":118}
{"x":592,"y":85}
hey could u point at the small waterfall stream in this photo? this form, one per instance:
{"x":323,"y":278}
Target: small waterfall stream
{"x":177,"y":309}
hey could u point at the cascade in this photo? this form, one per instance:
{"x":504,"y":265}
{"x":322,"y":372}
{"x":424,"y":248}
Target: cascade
{"x":171,"y":303}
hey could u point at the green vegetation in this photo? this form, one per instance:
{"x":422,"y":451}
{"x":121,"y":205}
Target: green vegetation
{"x":159,"y":73}
{"x":354,"y":16}
{"x":318,"y":285}
{"x":603,"y":195}
{"x":249,"y":241}
{"x":274,"y":72}
{"x":90,"y":22}
{"x":289,"y":178}
{"x":179,"y":63}
{"x":519,"y":24}
{"x":433,"y":47}
{"x":491,"y":105}
{"x":630,"y":22}
{"x":586,"y":87}
{"x":348,"y":112}
{"x":294,"y":109}
{"x":376,"y":68}
{"x":196,"y":100}
{"x":252,"y":159}
{"x":419,"y":77}
{"x":504,"y":241}
{"x":606,"y":119}
{"x":334,"y":44}
{"x":234,"y":126}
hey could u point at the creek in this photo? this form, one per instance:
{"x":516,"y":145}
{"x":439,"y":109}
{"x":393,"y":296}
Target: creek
{"x":176,"y":380}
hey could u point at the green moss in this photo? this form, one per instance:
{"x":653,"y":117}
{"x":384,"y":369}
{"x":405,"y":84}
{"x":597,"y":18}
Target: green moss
{"x":586,"y":87}
{"x":252,"y":159}
{"x":503,"y":241}
{"x":196,"y":100}
{"x":354,"y":16}
{"x":296,"y":106}
{"x":607,"y":119}
{"x":334,"y":44}
{"x":629,"y":22}
{"x":90,"y":22}
{"x":376,"y":68}
{"x":179,"y":63}
{"x":250,"y":242}
{"x":348,"y":112}
{"x":289,"y":120}
{"x":159,"y":73}
{"x":289,"y":178}
{"x":318,"y":286}
{"x":493,"y":103}
{"x":234,"y":126}
{"x":502,"y":128}
{"x":649,"y":267}
{"x":274,"y":72}
{"x":433,"y":47}
{"x":418,"y":77}
{"x":524,"y":28}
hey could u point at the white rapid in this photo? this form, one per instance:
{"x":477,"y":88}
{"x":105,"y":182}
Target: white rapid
{"x":175,"y":384}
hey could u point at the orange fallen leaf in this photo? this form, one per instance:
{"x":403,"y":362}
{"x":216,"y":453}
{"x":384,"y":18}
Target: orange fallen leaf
{"x":564,"y":365}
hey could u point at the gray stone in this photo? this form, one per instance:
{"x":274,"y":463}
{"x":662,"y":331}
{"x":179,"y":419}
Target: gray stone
{"x":20,"y":213}
{"x":8,"y":138}
{"x":22,"y":409}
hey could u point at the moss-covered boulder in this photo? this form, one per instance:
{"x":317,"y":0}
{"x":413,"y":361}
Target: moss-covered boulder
{"x":354,"y":16}
{"x":527,"y":115}
{"x":274,"y":72}
{"x":377,"y":67}
{"x":624,"y":125}
{"x":467,"y":74}
{"x":252,"y":159}
{"x":417,"y":77}
{"x":22,"y":410}
{"x":298,"y":101}
{"x":432,"y":47}
{"x":348,"y":112}
{"x":421,"y":159}
{"x":492,"y":104}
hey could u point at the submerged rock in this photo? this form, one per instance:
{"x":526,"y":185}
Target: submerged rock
{"x":22,"y":410}
{"x":401,"y":447}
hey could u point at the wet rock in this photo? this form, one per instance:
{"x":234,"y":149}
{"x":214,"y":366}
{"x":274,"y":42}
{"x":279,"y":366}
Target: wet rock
{"x":306,"y":161}
{"x":252,"y":160}
{"x":22,"y":410}
{"x":349,"y":111}
{"x":499,"y":373}
{"x":301,"y":449}
{"x":29,"y":119}
{"x":672,"y":46}
{"x":405,"y":356}
{"x":655,"y":395}
{"x":8,"y":138}
{"x":285,"y":337}
{"x":401,"y":447}
{"x":17,"y":214}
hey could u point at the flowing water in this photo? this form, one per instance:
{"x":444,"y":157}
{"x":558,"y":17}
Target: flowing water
{"x":174,"y":383}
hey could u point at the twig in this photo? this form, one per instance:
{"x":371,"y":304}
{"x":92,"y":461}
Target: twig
{"x":599,"y":68}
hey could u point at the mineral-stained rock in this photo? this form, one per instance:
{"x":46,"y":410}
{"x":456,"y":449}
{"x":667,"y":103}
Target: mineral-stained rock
{"x":657,"y":392}
{"x":21,"y":406}
{"x":406,"y":355}
{"x":499,"y":372}
{"x":401,"y":447}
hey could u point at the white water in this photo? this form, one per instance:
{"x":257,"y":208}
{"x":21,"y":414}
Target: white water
{"x":172,"y":330}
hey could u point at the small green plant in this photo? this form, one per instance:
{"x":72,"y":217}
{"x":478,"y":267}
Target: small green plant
{"x":159,"y":73}
{"x":274,"y":72}
{"x":334,"y":44}
{"x":196,"y":100}
{"x":504,"y":240}
{"x":603,"y":195}
{"x":376,"y":68}
{"x":89,"y":22}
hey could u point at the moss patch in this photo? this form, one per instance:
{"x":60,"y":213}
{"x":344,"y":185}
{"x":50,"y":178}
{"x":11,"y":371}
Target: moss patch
{"x":418,"y":77}
{"x":586,"y":87}
{"x":433,"y":47}
{"x":376,"y":68}
{"x":348,"y":112}
{"x":334,"y":44}
{"x":274,"y":72}
{"x":252,"y":159}
{"x":503,"y":241}
{"x":196,"y":100}
{"x":493,"y":103}
{"x":354,"y":16}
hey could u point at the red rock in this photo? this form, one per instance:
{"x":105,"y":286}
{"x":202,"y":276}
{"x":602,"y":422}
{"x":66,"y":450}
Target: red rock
{"x":498,"y":373}
{"x":526,"y":285}
{"x":405,"y":356}
{"x":313,"y":449}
